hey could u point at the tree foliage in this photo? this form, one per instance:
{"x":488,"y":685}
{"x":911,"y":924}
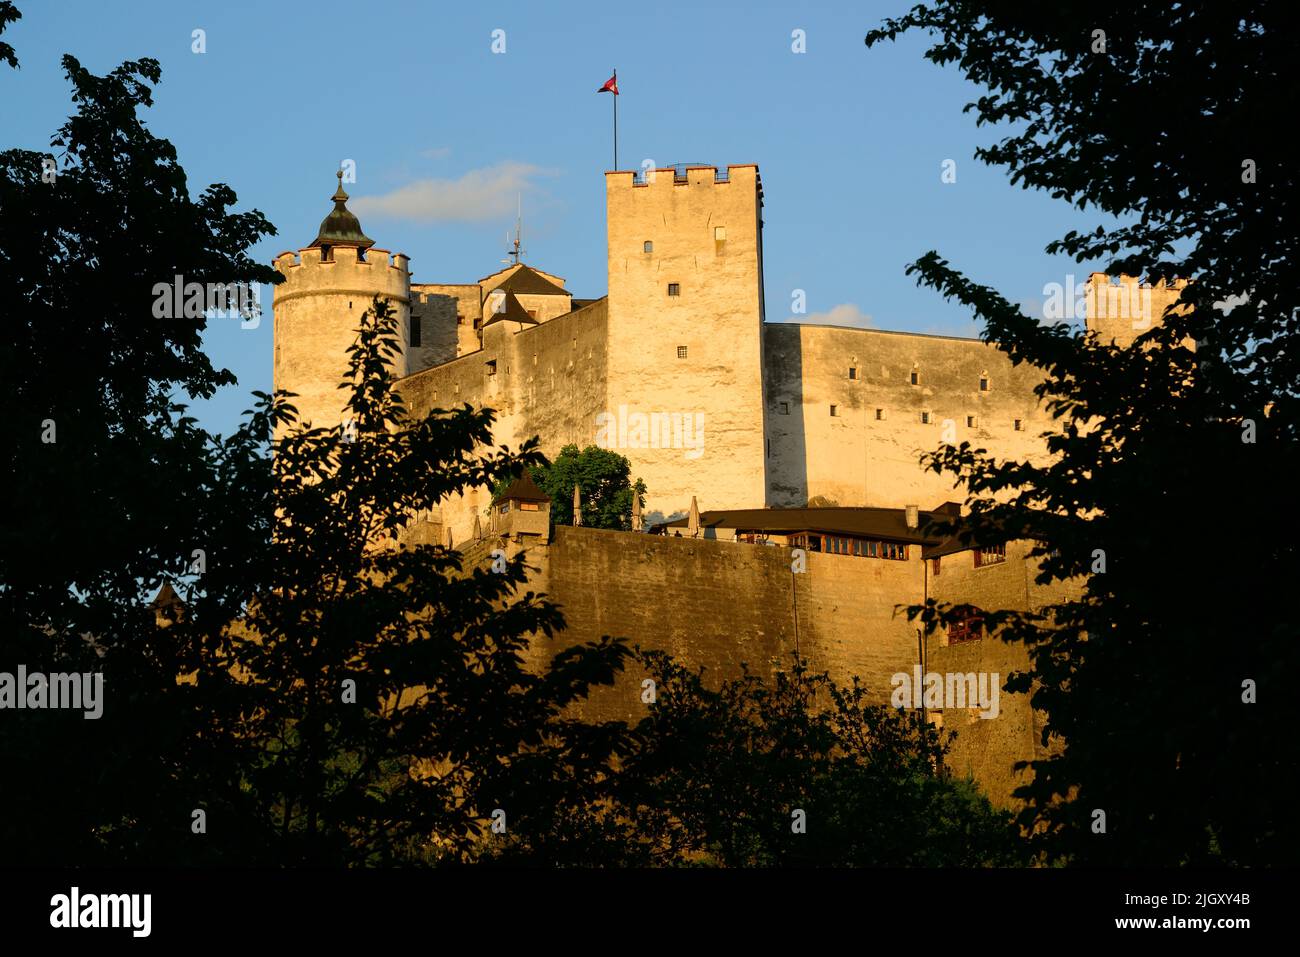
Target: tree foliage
{"x":1172,"y":461}
{"x":791,"y":771}
{"x":105,"y":471}
{"x":604,"y":481}
{"x":387,"y":703}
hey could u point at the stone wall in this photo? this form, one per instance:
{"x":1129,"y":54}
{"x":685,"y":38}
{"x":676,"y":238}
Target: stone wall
{"x":447,"y":316}
{"x":718,"y":604}
{"x":867,"y":452}
{"x":546,"y":380}
{"x":987,"y":748}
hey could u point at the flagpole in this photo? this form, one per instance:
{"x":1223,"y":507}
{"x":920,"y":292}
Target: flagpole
{"x":616,"y":121}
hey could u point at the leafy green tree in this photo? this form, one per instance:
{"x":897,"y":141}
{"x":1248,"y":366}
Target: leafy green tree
{"x":1166,"y":680}
{"x":104,"y":470}
{"x":604,"y":481}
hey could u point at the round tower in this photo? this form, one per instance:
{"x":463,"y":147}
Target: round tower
{"x":317,"y":309}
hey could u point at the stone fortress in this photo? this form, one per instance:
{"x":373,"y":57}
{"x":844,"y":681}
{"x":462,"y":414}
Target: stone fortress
{"x":799,"y":436}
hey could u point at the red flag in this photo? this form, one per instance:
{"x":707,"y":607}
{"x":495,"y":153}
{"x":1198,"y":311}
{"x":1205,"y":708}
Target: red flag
{"x":611,"y":85}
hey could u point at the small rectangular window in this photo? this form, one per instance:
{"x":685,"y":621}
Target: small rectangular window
{"x":491,"y":367}
{"x":880,"y":415}
{"x":970,"y":421}
{"x":990,"y":555}
{"x":984,"y":384}
{"x":674,"y":289}
{"x":853,"y":372}
{"x":835,"y":410}
{"x":916,"y":377}
{"x":925,"y":418}
{"x":648,"y":246}
{"x":681,"y":352}
{"x":785,"y":408}
{"x":415,"y":330}
{"x":1019,"y":425}
{"x":720,"y":234}
{"x":934,"y":567}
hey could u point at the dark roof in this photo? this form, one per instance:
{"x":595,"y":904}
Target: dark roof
{"x":526,"y":281}
{"x":949,"y":546}
{"x":166,"y":597}
{"x":341,"y":227}
{"x":884,"y":523}
{"x":513,"y":310}
{"x":523,"y":489}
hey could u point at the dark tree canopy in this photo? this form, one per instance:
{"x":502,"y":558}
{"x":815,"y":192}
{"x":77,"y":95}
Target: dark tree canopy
{"x":388,"y":711}
{"x":791,"y":771}
{"x":107,"y":477}
{"x":1172,"y":464}
{"x":8,"y":14}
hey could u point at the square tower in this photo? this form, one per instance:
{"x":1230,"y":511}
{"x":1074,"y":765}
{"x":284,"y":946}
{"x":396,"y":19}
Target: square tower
{"x":685,"y":382}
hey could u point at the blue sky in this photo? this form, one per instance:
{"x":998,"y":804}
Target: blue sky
{"x":850,"y":142}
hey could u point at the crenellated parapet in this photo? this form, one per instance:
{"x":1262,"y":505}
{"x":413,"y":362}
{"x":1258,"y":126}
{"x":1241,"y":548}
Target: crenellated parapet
{"x":372,"y":272}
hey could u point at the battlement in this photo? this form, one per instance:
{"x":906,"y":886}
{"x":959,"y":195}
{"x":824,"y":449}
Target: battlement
{"x":1099,"y":279}
{"x":1128,"y":297}
{"x":347,"y":270}
{"x":1120,"y":308}
{"x":341,"y":255}
{"x":683,"y":174}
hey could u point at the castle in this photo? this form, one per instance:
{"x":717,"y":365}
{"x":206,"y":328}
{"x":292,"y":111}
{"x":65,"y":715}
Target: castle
{"x":802,"y":436}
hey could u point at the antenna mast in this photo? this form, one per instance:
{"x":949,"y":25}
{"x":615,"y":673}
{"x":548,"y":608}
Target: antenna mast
{"x":518,"y":248}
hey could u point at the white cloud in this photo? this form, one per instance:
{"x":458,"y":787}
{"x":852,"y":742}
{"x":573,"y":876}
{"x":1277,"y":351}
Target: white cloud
{"x":845,"y":314}
{"x":479,"y":195}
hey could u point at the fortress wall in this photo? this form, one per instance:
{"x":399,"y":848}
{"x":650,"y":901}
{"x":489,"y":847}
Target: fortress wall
{"x":549,"y":381}
{"x":719,"y":604}
{"x":987,"y":749}
{"x":853,"y":458}
{"x":558,"y":375}
{"x":443,"y":338}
